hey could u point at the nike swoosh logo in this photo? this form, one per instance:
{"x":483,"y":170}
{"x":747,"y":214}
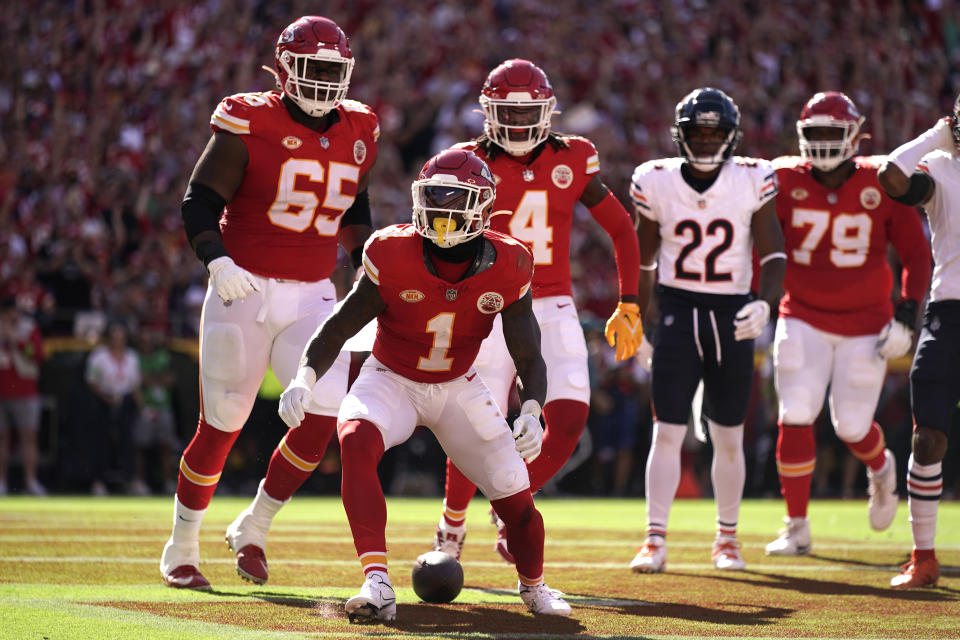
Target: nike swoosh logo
{"x":469,"y":378}
{"x":227,"y":107}
{"x":326,"y":299}
{"x":561,"y":306}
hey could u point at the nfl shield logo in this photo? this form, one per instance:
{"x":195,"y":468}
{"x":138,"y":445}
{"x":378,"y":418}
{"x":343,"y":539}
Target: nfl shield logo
{"x":324,"y":142}
{"x":451,"y":294}
{"x":528,"y":176}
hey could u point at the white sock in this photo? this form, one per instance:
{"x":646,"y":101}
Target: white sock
{"x":924,"y":488}
{"x":663,"y":474}
{"x":264,"y":508}
{"x":186,"y":523}
{"x":728,"y":473}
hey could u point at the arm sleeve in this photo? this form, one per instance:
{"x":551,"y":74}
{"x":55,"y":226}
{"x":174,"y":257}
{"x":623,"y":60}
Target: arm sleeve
{"x":618,"y":224}
{"x":907,"y":237}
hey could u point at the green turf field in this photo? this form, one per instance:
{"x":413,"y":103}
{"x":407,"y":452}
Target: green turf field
{"x":81,"y":568}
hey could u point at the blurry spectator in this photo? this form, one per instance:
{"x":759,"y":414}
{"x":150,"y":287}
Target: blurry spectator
{"x":154,"y":427}
{"x":113,"y":375}
{"x":21,"y":352}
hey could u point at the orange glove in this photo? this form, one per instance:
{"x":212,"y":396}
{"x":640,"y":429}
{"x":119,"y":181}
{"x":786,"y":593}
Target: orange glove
{"x":625,"y":330}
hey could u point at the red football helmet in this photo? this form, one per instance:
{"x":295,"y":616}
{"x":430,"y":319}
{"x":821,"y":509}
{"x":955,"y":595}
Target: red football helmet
{"x":829,"y":109}
{"x":517,"y":102}
{"x":453,"y":197}
{"x":314,"y":64}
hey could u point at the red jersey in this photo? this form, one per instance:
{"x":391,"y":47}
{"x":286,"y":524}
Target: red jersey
{"x":20,"y":357}
{"x":539,"y":198}
{"x":838,"y":278}
{"x":284,"y":219}
{"x":431,"y":329}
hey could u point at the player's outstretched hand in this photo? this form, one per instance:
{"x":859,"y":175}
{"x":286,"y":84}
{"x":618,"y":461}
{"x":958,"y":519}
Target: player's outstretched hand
{"x":527,"y":432}
{"x":297,"y":396}
{"x":231,"y":282}
{"x":751,"y":319}
{"x":624,"y":330}
{"x":894,"y":340}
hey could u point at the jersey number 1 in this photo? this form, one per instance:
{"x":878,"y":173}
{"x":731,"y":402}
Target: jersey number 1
{"x":441,"y":326}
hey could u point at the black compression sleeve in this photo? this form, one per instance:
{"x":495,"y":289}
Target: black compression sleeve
{"x":356,"y":257}
{"x":921,"y":185}
{"x":359,"y":212}
{"x":201,"y":209}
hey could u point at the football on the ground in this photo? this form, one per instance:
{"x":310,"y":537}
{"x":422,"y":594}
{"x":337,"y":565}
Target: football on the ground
{"x":437,"y":577}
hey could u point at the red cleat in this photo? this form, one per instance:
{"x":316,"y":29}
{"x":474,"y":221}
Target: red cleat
{"x":186,"y":576}
{"x":917,"y":573}
{"x":252,"y":564}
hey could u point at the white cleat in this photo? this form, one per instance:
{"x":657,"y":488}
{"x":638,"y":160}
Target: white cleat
{"x":544,"y":601}
{"x":650,"y":558}
{"x":376,"y":601}
{"x":726,"y":555}
{"x":449,"y":540}
{"x":794,"y":539}
{"x":882,"y":489}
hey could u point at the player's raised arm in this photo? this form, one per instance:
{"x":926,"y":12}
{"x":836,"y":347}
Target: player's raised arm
{"x":898,"y":175}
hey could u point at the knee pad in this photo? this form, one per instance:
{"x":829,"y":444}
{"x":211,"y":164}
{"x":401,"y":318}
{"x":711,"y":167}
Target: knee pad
{"x":226,"y":410}
{"x":851,"y":420}
{"x":222,"y":354}
{"x":507,"y":473}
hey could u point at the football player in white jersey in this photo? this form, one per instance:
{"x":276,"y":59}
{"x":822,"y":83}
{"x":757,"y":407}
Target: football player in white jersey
{"x":926,"y":171}
{"x":703,"y":212}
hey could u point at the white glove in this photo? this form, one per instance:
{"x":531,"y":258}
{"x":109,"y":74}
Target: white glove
{"x":751,"y":319}
{"x":297,"y":396}
{"x":527,"y":433}
{"x":230,"y":281}
{"x":894,"y":340}
{"x":644,"y":354}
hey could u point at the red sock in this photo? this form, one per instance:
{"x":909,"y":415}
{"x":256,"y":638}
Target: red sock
{"x":872,"y":449}
{"x":361,"y":447}
{"x":796,"y":457}
{"x":297,"y":455}
{"x":458,"y":493}
{"x":524,"y":532}
{"x":564,"y":422}
{"x":201,"y":465}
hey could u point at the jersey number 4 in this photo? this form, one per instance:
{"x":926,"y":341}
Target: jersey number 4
{"x":849,"y":237}
{"x":716,"y":228}
{"x":296,"y":204}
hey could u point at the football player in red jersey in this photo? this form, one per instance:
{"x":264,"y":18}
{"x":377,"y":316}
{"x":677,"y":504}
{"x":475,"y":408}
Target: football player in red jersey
{"x":837,"y":326}
{"x":540,"y":177}
{"x":281,"y":183}
{"x":435,"y":288}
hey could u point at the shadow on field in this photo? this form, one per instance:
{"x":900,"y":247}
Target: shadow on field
{"x":831,"y":587}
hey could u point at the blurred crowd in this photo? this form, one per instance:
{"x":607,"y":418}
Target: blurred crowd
{"x":105,"y":104}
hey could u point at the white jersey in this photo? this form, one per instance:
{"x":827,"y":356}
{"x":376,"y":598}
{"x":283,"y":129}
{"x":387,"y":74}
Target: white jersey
{"x":706,"y":244}
{"x":943,"y":211}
